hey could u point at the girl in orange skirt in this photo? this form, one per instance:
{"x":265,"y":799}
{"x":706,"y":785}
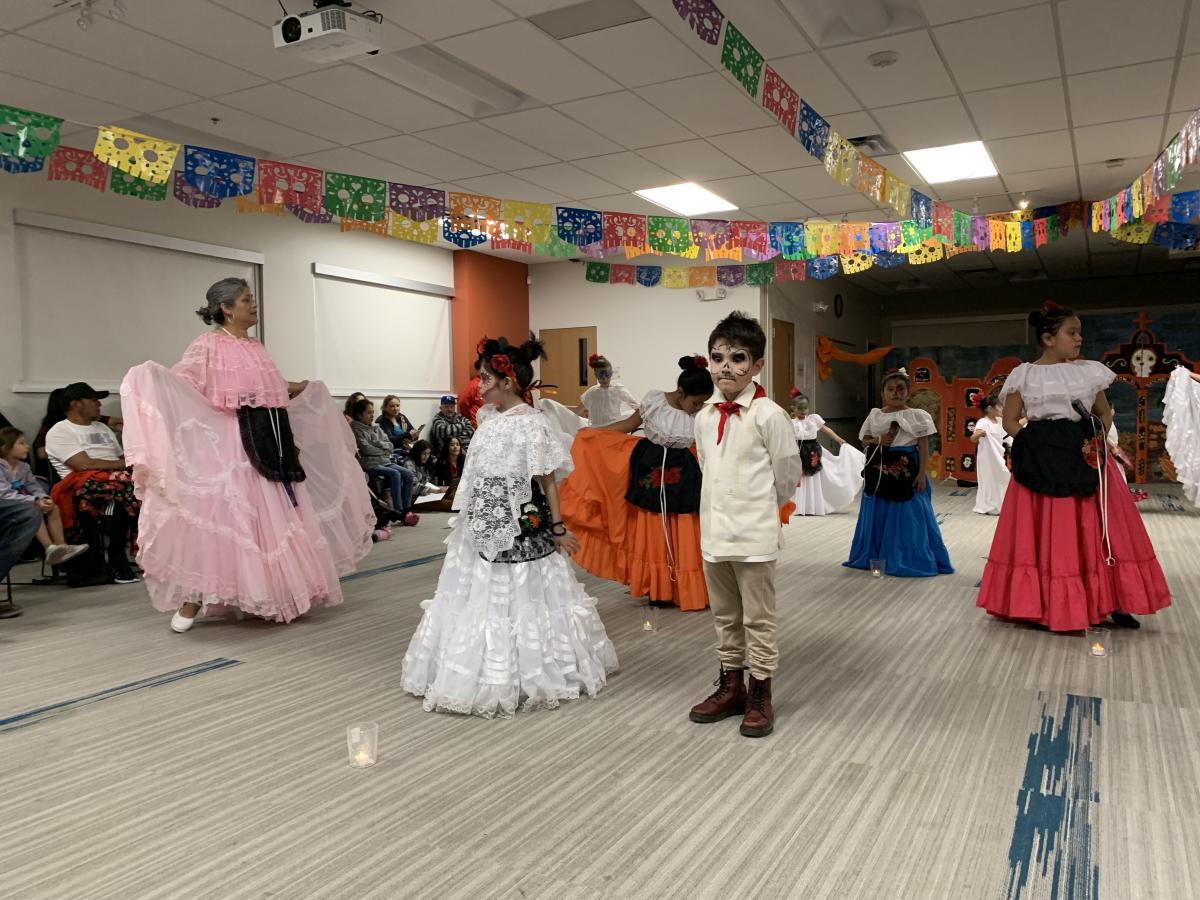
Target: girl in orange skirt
{"x":634,"y":502}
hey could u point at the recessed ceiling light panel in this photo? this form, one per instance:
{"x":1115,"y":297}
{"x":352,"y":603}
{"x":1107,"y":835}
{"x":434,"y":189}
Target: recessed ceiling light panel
{"x":687,"y":199}
{"x":954,"y":162}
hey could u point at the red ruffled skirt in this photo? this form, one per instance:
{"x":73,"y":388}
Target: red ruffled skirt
{"x":1048,"y":559}
{"x":623,"y":542}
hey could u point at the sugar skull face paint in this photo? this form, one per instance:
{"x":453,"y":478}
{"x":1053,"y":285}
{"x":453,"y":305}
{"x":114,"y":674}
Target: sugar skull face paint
{"x":732,"y":368}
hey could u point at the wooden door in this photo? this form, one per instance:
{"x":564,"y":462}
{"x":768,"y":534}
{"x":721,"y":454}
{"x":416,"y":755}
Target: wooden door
{"x":783,"y":361}
{"x":565,"y":365}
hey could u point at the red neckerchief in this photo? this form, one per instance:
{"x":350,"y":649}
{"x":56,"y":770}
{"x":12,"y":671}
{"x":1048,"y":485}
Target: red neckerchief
{"x":731,"y":408}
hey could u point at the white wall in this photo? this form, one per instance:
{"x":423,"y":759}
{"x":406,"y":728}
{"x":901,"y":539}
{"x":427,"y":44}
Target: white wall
{"x":643,"y":331}
{"x":290,"y":248}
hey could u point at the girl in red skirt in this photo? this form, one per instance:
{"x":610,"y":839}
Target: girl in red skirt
{"x":1070,"y":548}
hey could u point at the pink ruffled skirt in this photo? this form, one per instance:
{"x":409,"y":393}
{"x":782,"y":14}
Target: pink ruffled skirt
{"x":212,"y":530}
{"x":1048,"y":559}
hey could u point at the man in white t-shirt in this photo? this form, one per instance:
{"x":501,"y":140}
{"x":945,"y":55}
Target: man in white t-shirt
{"x":82,"y":444}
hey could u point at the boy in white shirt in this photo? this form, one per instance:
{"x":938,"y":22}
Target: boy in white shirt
{"x":751,"y":465}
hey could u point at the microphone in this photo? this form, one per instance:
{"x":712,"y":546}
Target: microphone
{"x":1084,"y":412}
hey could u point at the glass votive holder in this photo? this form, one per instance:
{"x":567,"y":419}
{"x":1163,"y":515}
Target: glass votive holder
{"x":1097,"y":640}
{"x":362,"y":742}
{"x":649,"y":618}
{"x":877,"y":567}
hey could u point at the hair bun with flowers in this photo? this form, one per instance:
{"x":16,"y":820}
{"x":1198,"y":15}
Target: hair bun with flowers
{"x":693,"y":362}
{"x":901,"y":372}
{"x":795,"y":392}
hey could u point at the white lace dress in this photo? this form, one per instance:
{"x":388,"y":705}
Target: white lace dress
{"x":501,"y":634}
{"x":839,"y":481}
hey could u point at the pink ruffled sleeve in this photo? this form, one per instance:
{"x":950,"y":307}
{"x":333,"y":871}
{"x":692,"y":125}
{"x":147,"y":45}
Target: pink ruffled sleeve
{"x":232,"y":373}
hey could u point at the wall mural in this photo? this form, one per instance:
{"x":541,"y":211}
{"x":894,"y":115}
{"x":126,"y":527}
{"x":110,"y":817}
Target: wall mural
{"x":1142,"y":350}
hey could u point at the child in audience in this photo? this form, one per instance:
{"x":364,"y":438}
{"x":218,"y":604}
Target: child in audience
{"x":375,"y":457}
{"x":606,"y":401}
{"x":17,"y":482}
{"x":751,"y":464}
{"x":1070,"y":548}
{"x":826,"y":485}
{"x":895,"y":518}
{"x":418,"y":462}
{"x":990,"y":471}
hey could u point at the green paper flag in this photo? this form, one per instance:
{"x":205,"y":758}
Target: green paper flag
{"x":962,"y":229}
{"x":668,"y":234}
{"x":555,"y":246}
{"x":1052,"y":228}
{"x":124,"y":183}
{"x":598,"y":272}
{"x":355,"y":197}
{"x":24,"y":133}
{"x":739,"y":57}
{"x":760,"y":273}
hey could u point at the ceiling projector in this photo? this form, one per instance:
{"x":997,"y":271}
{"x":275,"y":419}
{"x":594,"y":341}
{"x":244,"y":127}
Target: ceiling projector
{"x":329,"y":31}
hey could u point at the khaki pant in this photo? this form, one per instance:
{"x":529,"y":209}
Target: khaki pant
{"x":742,"y":597}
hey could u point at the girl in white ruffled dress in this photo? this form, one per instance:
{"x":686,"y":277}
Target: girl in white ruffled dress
{"x":509,"y":625}
{"x":829,"y":483}
{"x":990,"y":469}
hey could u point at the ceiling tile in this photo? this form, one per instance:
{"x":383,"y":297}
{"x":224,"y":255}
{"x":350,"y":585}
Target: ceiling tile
{"x":1004,"y":49}
{"x":19,"y":55}
{"x":434,"y":21}
{"x":854,"y":124}
{"x":625,"y":118}
{"x":111,"y":42}
{"x":849,"y":205}
{"x":627,"y":170}
{"x":246,"y":128}
{"x":917,"y":75}
{"x":406,"y":150}
{"x":1191,"y":43}
{"x":355,"y":162}
{"x":781,"y":212}
{"x":553,"y":132}
{"x":371,"y":96}
{"x":631,"y":203}
{"x":19,"y":13}
{"x":694,"y":161}
{"x":1022,"y":109}
{"x":707,"y":104}
{"x":958,"y":191}
{"x":637,"y":53}
{"x":747,"y":190}
{"x":510,"y":187}
{"x":1187,"y":83}
{"x":278,"y":103}
{"x":529,"y":60}
{"x":59,"y":102}
{"x":567,"y":180}
{"x":1099,"y":34}
{"x":766,"y":25}
{"x":816,"y":83}
{"x":537,"y":7}
{"x":939,"y":12}
{"x":475,"y":140}
{"x":1098,"y":180}
{"x":1117,"y":263}
{"x":928,"y":123}
{"x":1111,"y":95}
{"x":806,"y":183}
{"x":1045,"y":186}
{"x":764,"y":149}
{"x":1037,"y":151}
{"x":1130,"y":139}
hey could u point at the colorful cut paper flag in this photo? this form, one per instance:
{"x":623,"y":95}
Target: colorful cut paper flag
{"x":943,"y":222}
{"x":126,"y":185}
{"x":464,"y":231}
{"x":753,"y":237}
{"x":1185,"y":206}
{"x":579,"y":226}
{"x":667,"y":234}
{"x":739,"y":57}
{"x":1176,"y":235}
{"x":674,"y":277}
{"x":253,"y":206}
{"x":598,"y":272}
{"x":217,"y":173}
{"x":813,"y":131}
{"x":1039,"y":232}
{"x":702,"y":276}
{"x":25,"y":133}
{"x":857,"y":262}
{"x":424,"y":231}
{"x":920,"y":209}
{"x":841,"y":159}
{"x":787,"y":238}
{"x":649,"y":276}
{"x":821,"y":238}
{"x":356,"y":197}
{"x":780,"y":99}
{"x":141,"y":155}
{"x":527,"y":222}
{"x":885,"y":236}
{"x":930,"y":251}
{"x":731,"y":276}
{"x":872,"y":179}
{"x":291,"y":185}
{"x":703,"y":17}
{"x":555,"y":246}
{"x":854,"y":236}
{"x":899,"y":195}
{"x":380,"y":227}
{"x":22,"y":165}
{"x":911,"y":236}
{"x":759,"y":274}
{"x":476,"y":213}
{"x":889,"y":260}
{"x":997,"y":235}
{"x":74,"y":164}
{"x":715,"y":238}
{"x":961,"y":228}
{"x":980,"y":232}
{"x":1027,"y":235}
{"x":310,"y":217}
{"x":790,"y":269}
{"x":624,"y":230}
{"x":822,"y":267}
{"x":1135,"y":232}
{"x":1012,"y":237}
{"x":622,"y":275}
{"x":417,"y":203}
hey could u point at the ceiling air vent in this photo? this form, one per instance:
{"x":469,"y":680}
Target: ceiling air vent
{"x":873,"y":145}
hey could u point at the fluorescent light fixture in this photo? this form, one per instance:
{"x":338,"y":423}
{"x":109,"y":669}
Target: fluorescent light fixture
{"x":687,"y":199}
{"x":955,"y":162}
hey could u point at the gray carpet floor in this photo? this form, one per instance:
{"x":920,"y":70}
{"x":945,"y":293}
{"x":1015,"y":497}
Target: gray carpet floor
{"x":922,"y":750}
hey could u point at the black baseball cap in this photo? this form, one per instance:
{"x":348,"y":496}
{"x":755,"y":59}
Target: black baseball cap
{"x":81,"y":390}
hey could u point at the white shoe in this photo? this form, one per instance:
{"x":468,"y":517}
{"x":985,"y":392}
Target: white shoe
{"x":57,"y":554}
{"x":181,"y":623}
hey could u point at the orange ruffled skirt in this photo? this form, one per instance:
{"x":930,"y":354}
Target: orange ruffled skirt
{"x":623,"y":542}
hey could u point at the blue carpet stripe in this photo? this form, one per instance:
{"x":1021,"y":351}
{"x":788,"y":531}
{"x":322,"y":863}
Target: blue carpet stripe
{"x":21,"y":720}
{"x":394,"y":567}
{"x":1054,"y":844}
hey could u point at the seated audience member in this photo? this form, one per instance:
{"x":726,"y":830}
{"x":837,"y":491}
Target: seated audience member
{"x":375,"y":456}
{"x":446,"y":472}
{"x":397,"y":426}
{"x":19,"y":522}
{"x":348,"y":409}
{"x":448,"y":423}
{"x":419,"y":462}
{"x":95,"y":481}
{"x":56,"y":411}
{"x":17,"y":482}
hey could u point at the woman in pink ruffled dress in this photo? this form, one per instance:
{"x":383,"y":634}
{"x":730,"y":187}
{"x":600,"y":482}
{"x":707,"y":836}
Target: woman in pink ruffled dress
{"x":251,"y":495}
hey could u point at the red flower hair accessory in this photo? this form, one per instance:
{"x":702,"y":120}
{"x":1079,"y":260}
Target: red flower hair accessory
{"x":1050,"y":306}
{"x":479,"y":348}
{"x":700,"y":361}
{"x":502,"y":365}
{"x":795,"y":392}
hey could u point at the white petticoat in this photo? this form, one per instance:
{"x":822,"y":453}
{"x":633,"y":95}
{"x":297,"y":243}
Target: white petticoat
{"x":496,"y":635}
{"x":1181,"y":415}
{"x":833,"y":488}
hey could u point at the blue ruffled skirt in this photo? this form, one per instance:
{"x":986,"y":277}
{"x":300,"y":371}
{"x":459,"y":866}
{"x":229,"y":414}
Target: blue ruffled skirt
{"x":904,"y":534}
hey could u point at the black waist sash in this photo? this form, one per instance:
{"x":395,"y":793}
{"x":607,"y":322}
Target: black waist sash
{"x":268,"y":442}
{"x":1059,"y":457}
{"x":889,"y":472}
{"x":810,"y":456}
{"x":651,"y":481}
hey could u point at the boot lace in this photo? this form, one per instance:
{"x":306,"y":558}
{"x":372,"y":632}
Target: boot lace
{"x":723,"y":685}
{"x":758,"y":695}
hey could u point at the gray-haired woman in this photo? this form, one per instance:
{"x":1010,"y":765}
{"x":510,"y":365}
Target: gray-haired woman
{"x":230,"y":517}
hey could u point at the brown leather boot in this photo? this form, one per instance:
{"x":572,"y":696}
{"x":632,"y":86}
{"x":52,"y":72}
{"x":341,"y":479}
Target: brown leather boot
{"x":759,"y":720}
{"x":729,"y":699}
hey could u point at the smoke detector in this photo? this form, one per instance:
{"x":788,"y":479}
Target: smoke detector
{"x":883,"y":58}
